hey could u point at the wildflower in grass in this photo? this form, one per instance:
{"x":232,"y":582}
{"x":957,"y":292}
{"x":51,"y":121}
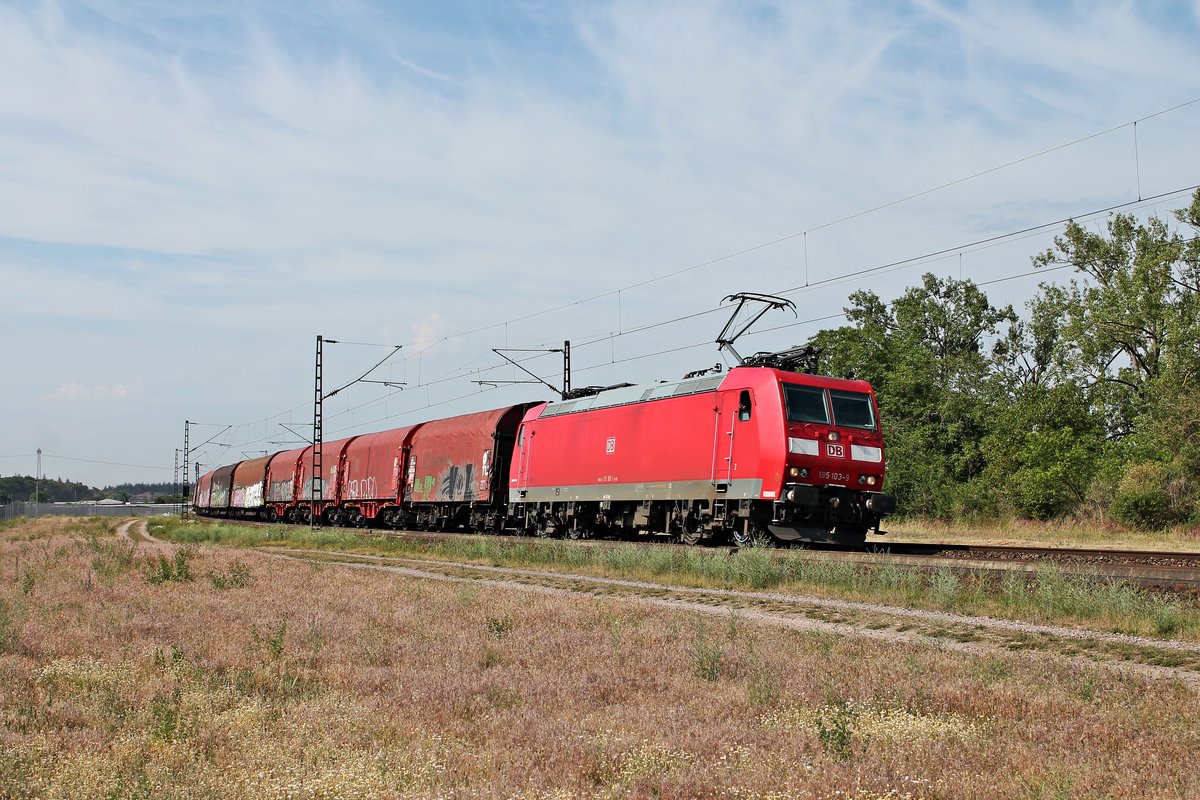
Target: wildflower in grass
{"x":870,"y":722}
{"x":647,"y":760}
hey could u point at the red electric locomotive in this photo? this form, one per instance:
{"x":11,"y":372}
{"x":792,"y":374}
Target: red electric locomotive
{"x":756,"y":454}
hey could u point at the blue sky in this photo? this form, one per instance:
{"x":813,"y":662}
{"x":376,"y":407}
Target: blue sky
{"x":191,"y":192}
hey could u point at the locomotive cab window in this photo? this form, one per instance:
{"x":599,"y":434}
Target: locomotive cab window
{"x":852,"y":409}
{"x":520,"y":436}
{"x":744,"y":406}
{"x":805,"y":403}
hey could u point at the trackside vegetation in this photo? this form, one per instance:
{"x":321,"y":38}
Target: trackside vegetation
{"x":1048,"y":595}
{"x":1086,"y":405}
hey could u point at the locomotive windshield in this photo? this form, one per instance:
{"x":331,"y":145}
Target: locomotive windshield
{"x":852,"y":409}
{"x":805,"y":403}
{"x":808,"y":404}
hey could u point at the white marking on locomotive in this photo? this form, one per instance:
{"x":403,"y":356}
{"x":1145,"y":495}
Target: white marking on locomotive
{"x":861,"y":452}
{"x":803,"y":447}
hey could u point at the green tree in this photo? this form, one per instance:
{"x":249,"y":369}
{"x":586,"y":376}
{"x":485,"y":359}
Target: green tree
{"x":1131,"y":326}
{"x":1131,"y":336}
{"x":925,"y":356}
{"x":1043,"y":449}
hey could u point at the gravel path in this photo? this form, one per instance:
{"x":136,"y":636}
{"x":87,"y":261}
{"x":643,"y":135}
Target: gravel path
{"x":125,"y":533}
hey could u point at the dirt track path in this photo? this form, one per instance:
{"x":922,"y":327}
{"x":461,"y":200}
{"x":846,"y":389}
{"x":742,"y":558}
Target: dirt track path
{"x":126,"y":530}
{"x":123,"y":529}
{"x":978,"y":636}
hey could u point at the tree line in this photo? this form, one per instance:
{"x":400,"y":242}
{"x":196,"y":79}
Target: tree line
{"x":23,"y":488}
{"x":1085,"y":405}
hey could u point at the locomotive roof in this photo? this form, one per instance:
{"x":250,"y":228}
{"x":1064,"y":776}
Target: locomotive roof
{"x":624,"y":395}
{"x":634,"y":394}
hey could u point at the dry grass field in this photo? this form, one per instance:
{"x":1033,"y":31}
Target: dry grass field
{"x":131,"y":669}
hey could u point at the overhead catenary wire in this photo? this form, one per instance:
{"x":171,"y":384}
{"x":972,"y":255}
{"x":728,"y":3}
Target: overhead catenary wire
{"x":827,"y":224}
{"x":617,"y":292}
{"x":917,"y":260}
{"x":692,"y":346}
{"x":108,"y":463}
{"x":610,"y":336}
{"x":975,"y":245}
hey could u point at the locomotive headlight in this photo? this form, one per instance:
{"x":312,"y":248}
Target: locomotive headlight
{"x":794,"y":471}
{"x":871,"y":480}
{"x":804,"y":472}
{"x":834,"y":436}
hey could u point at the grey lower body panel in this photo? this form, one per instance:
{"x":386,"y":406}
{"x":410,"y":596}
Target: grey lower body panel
{"x":740,"y":489}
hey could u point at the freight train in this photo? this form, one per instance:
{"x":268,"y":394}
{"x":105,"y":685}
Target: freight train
{"x":759,"y":454}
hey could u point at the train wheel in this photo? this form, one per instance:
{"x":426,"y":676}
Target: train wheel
{"x":691,"y":533}
{"x":752,"y":535}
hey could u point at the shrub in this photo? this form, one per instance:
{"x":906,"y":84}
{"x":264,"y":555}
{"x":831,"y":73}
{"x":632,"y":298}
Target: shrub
{"x":238,"y":577}
{"x":1150,"y":496}
{"x":167,"y":570}
{"x":498,"y":626}
{"x":706,"y":655}
{"x":273,"y":644}
{"x":6,"y":627}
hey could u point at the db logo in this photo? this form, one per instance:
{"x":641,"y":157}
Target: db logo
{"x":610,"y":446}
{"x":835,"y":450}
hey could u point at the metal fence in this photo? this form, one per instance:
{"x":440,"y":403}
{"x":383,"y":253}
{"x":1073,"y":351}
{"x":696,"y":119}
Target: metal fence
{"x":87,"y":510}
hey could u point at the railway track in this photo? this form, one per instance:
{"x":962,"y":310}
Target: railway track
{"x":1176,"y":572}
{"x":1064,"y":555}
{"x":1163,"y":570}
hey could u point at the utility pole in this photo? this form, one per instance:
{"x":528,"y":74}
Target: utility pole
{"x":317,"y":489}
{"x":175,"y":484}
{"x":317,"y":492}
{"x":186,"y":453}
{"x":566,"y":368}
{"x":37,"y":477}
